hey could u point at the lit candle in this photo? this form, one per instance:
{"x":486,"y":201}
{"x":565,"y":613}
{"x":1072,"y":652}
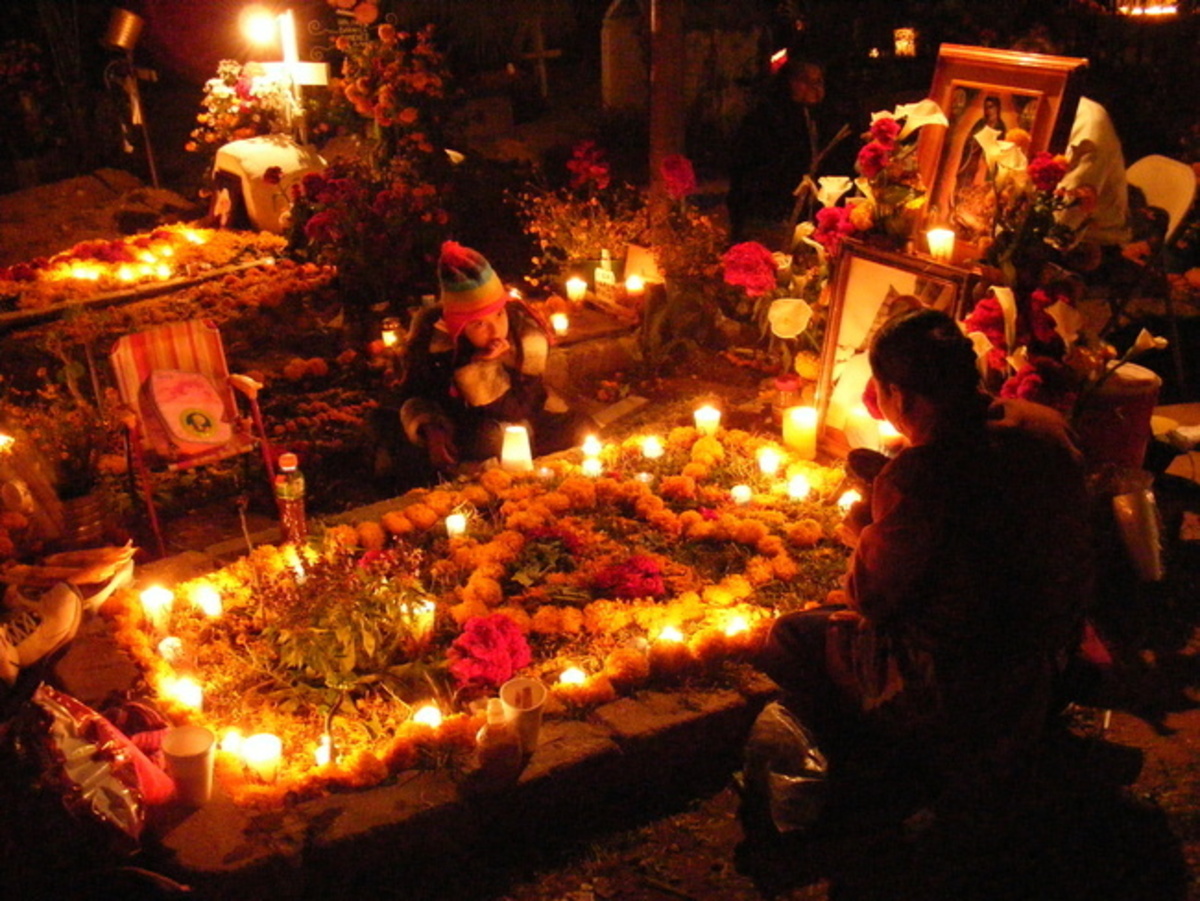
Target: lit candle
{"x":890,"y":439}
{"x":232,"y":741}
{"x":645,"y":478}
{"x":592,"y":467}
{"x":171,"y":649}
{"x":941,"y":243}
{"x":576,"y":289}
{"x":6,"y":441}
{"x":262,"y":754}
{"x":741,"y":494}
{"x":669,"y":654}
{"x":635,"y":287}
{"x":559,"y":322}
{"x":324,"y":750}
{"x":515,"y":454}
{"x":736,"y":626}
{"x":572,"y":675}
{"x":861,"y":428}
{"x":769,"y":461}
{"x":207,"y":600}
{"x":456,"y":525}
{"x":185,"y":691}
{"x":849,"y":499}
{"x":708,"y":420}
{"x":156,"y":604}
{"x":652,"y":447}
{"x":798,"y":488}
{"x":390,"y":334}
{"x":429,"y":715}
{"x":800,"y":431}
{"x":592,"y":446}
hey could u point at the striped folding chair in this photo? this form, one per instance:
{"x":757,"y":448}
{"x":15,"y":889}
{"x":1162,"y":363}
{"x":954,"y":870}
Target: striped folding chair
{"x":180,"y":404}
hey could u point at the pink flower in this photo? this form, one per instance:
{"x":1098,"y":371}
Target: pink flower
{"x":833,"y":223}
{"x":1044,"y":381}
{"x":679,"y":176}
{"x":884,"y":131}
{"x":638,"y":577}
{"x":873,"y":159}
{"x":489,"y":652}
{"x":750,"y":265}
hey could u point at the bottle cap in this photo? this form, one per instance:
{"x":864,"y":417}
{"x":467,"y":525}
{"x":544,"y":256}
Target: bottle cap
{"x":288,"y":461}
{"x":495,"y":711}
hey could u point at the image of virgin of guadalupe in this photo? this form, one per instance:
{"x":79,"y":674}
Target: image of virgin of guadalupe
{"x":974,"y":199}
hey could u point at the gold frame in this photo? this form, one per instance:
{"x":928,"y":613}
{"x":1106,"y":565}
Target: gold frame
{"x":1036,"y":92}
{"x":857,"y":297}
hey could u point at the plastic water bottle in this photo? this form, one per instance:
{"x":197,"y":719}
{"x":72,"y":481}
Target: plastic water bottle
{"x":499,"y":748}
{"x":289,"y":495}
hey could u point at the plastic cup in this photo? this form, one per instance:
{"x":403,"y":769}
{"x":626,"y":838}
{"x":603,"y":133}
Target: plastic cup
{"x":523,"y":699}
{"x":189,"y":752}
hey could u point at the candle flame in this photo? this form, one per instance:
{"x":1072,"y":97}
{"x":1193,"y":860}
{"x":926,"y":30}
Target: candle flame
{"x":737,"y":625}
{"x":769,"y":461}
{"x":592,"y":466}
{"x":186,"y":691}
{"x":572,"y":675}
{"x":798,"y":487}
{"x":592,"y":446}
{"x":207,"y":600}
{"x":324,"y":750}
{"x":232,"y":741}
{"x":428,"y":715}
{"x":849,"y":499}
{"x":670,"y":633}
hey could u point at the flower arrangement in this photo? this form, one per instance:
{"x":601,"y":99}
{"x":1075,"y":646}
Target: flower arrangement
{"x":240,"y":102}
{"x":379,"y":227}
{"x":397,"y":83}
{"x":347,"y":637}
{"x":891,"y":196}
{"x":694,"y":239}
{"x":786,"y":292}
{"x":1034,"y":347}
{"x":576,"y":220}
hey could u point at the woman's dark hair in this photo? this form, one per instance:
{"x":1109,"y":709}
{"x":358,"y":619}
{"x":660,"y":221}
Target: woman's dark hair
{"x":926,"y":353}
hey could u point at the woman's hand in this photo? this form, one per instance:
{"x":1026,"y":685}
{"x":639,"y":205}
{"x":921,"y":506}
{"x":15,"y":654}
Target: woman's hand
{"x":443,"y":453}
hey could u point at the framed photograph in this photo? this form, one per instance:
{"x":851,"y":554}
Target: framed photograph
{"x":869,"y":287}
{"x":1004,"y":90}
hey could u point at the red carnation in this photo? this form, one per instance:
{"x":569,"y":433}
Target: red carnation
{"x":1046,"y":171}
{"x":750,"y":265}
{"x":489,"y":652}
{"x":873,"y":159}
{"x":679,"y":176}
{"x":884,"y":131}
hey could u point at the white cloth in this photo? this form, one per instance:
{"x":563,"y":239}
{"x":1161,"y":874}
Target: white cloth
{"x":1096,"y":159}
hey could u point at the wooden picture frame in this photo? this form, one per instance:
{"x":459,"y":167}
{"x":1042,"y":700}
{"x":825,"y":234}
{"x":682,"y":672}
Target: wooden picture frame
{"x":869,"y":286}
{"x":1006,"y":89}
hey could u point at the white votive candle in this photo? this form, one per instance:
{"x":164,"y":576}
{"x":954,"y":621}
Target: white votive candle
{"x":592,"y":467}
{"x":560,"y":322}
{"x":456,"y":525}
{"x":515,"y":453}
{"x":576,"y":289}
{"x":798,"y":488}
{"x":741,"y":494}
{"x":652,"y":447}
{"x":262,"y":754}
{"x":941,"y":243}
{"x":769,"y":461}
{"x":708,"y":420}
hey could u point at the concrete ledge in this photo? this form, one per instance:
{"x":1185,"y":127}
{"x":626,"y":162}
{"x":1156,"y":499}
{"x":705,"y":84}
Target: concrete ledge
{"x":420,"y":835}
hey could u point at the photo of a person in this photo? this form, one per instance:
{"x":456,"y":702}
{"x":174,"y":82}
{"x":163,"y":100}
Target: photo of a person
{"x":974,"y":201}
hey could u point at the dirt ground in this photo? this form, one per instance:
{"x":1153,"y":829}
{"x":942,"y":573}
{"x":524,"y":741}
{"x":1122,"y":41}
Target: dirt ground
{"x":1082,"y":827}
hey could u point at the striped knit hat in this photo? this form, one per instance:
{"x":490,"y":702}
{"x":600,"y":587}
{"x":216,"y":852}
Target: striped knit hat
{"x":470,"y":287}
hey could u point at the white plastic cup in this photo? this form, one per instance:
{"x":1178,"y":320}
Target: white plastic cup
{"x":190,"y":751}
{"x":523,"y":699}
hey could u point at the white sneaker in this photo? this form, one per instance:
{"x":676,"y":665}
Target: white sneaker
{"x":38,"y":631}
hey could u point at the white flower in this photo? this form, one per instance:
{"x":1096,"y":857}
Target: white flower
{"x":1008,"y":306}
{"x":1068,"y":321}
{"x":983,"y":346}
{"x":1146,"y":341}
{"x":916,"y":115}
{"x":789,"y":316}
{"x":831,"y":188}
{"x":1002,"y":154}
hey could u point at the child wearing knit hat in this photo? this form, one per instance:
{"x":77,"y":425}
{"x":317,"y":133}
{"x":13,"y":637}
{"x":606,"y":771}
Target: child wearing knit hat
{"x":475,"y":363}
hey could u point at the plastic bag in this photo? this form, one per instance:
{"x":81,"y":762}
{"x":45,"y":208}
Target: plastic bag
{"x":784,"y":772}
{"x":75,"y":756}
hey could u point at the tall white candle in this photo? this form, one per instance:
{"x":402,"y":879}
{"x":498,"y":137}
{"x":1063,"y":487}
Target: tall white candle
{"x":800,"y":431}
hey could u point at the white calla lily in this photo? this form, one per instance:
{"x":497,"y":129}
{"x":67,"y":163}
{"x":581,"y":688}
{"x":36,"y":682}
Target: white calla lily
{"x":1008,"y":306}
{"x":1068,"y":321}
{"x":1019,"y":358}
{"x":998,"y":153}
{"x":1146,"y":341}
{"x":919,"y":114}
{"x":830,"y":188}
{"x":983,"y":346}
{"x":789,"y":316}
